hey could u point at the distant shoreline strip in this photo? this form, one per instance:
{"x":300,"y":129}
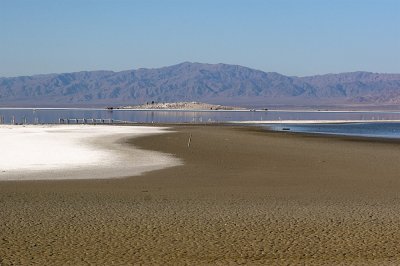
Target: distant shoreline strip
{"x":313,"y":121}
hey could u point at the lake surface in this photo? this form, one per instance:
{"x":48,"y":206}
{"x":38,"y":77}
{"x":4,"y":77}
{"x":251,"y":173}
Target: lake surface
{"x":375,"y":129}
{"x":135,"y":116}
{"x":146,"y":116}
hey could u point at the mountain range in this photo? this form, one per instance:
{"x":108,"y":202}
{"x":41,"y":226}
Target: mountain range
{"x":213,"y":83}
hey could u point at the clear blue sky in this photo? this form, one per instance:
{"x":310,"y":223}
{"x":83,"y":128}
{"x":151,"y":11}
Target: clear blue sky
{"x":298,"y":37}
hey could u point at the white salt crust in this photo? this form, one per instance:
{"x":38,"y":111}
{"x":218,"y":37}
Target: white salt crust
{"x":37,"y":152}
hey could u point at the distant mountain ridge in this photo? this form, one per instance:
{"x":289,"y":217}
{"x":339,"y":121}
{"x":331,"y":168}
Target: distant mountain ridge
{"x":214,"y":83}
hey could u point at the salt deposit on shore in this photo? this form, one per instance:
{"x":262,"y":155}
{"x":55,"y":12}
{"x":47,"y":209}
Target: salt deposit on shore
{"x":75,"y":152}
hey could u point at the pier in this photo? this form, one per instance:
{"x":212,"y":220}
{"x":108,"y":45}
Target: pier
{"x":82,"y":121}
{"x":91,"y":121}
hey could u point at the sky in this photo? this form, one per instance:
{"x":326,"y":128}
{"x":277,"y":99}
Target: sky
{"x":292,"y":37}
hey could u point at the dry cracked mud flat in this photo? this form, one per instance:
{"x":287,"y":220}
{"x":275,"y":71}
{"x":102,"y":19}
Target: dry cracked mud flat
{"x":242,"y":197}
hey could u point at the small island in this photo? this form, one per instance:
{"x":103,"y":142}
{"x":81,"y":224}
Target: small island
{"x":179,"y":106}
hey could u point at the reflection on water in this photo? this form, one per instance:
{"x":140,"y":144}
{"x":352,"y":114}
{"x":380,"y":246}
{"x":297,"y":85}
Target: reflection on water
{"x":53,"y":115}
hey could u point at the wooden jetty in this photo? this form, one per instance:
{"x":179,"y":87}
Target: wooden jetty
{"x":82,"y":121}
{"x":91,"y":121}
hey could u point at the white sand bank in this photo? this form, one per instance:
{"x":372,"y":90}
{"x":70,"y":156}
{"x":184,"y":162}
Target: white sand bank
{"x":76,"y":152}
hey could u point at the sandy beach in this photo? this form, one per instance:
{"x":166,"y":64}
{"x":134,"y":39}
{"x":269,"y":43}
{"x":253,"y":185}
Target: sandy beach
{"x":241,"y":196}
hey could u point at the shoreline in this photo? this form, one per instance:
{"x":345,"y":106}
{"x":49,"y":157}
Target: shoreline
{"x":304,"y":122}
{"x":294,"y":110}
{"x":242,"y":195}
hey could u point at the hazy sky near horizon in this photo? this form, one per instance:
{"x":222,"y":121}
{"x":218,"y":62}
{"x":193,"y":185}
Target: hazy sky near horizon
{"x":292,"y":37}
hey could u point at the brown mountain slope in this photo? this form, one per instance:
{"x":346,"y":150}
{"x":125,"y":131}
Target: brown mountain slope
{"x":215,"y":83}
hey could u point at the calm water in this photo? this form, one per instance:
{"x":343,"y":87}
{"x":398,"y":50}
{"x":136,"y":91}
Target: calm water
{"x":388,"y":130}
{"x":52,"y":115}
{"x":377,"y":130}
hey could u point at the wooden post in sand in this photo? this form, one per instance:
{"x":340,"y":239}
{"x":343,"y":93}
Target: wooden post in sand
{"x":190,"y":140}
